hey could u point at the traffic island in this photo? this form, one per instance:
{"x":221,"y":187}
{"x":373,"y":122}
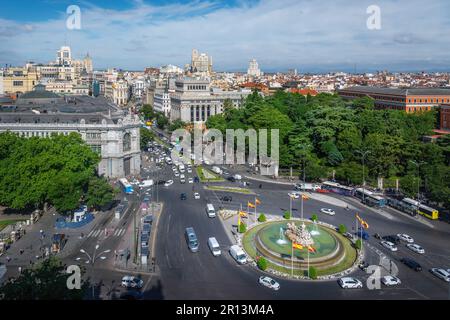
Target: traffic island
{"x":327,"y":252}
{"x":206,"y":175}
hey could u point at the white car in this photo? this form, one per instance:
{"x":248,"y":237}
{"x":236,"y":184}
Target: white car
{"x":390,"y":281}
{"x":350,"y":283}
{"x":189,"y":170}
{"x":196,"y":195}
{"x":132,"y":282}
{"x":328,"y":211}
{"x":441,"y":274}
{"x":269,"y":282}
{"x":190,"y":180}
{"x":416,"y":248}
{"x":294,"y":195}
{"x":405,"y":237}
{"x":168,"y":183}
{"x":389,"y":245}
{"x":177,"y":174}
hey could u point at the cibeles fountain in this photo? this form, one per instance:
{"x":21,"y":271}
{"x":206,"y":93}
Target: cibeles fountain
{"x":273,"y":240}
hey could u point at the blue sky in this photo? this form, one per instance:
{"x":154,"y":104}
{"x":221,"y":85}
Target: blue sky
{"x":310,"y":35}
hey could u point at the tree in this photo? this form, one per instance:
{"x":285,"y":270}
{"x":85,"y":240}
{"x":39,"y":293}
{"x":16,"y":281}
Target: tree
{"x":262,"y":263}
{"x":99,"y":193}
{"x":262,"y":218}
{"x":314,"y":217}
{"x":342,"y":229}
{"x":146,"y":137}
{"x":358,"y":244}
{"x":161,"y":121}
{"x":148,"y":112}
{"x":46,"y":281}
{"x":242,"y":228}
{"x":312,"y":272}
{"x":177,"y":124}
{"x":287,"y":215}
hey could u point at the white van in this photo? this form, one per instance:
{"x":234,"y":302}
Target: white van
{"x":238,"y":254}
{"x":214,"y":246}
{"x":210,"y":210}
{"x":237,"y":177}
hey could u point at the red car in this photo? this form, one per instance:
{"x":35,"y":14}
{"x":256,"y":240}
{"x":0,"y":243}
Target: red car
{"x":323,"y":191}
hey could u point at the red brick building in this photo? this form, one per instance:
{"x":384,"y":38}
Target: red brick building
{"x":409,"y":100}
{"x":445,"y":117}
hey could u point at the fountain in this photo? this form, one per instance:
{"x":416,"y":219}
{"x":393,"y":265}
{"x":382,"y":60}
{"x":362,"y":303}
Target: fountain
{"x":282,"y":238}
{"x":315,"y":231}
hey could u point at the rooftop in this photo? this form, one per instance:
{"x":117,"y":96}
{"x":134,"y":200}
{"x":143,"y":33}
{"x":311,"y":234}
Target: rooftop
{"x":398,"y":91}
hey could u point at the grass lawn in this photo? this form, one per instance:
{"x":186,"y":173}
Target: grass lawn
{"x":230,"y":189}
{"x":201,"y":174}
{"x":5,"y":223}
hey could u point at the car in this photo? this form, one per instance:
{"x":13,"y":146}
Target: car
{"x":405,"y":237}
{"x":176,"y":173}
{"x":363,"y":266}
{"x":269,"y":283}
{"x":441,"y":274}
{"x":389,"y":245}
{"x":348,"y":235}
{"x":196,"y":195}
{"x":416,"y":248}
{"x":411,"y":264}
{"x":232,"y":179}
{"x":183,"y":196}
{"x":132,"y":282}
{"x":196,"y":179}
{"x":182,"y":180}
{"x":393,"y":239}
{"x":362,"y":234}
{"x":328,"y":211}
{"x":294,"y":195}
{"x":390,"y":281}
{"x":168,"y":183}
{"x":189,"y":170}
{"x":377,"y":236}
{"x":350,"y":283}
{"x":226,"y":199}
{"x":190,"y":180}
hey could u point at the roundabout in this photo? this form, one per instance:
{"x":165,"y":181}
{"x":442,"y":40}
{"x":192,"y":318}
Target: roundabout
{"x":291,"y":246}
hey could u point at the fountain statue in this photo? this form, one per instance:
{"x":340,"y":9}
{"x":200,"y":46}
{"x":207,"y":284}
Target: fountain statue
{"x":299,"y":235}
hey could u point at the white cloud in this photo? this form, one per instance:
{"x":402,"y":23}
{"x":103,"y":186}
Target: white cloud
{"x":279,"y":34}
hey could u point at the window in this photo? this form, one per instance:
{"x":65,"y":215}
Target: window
{"x":17,"y":83}
{"x":127,"y":142}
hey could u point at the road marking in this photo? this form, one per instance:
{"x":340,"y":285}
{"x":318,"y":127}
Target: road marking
{"x":90,"y":233}
{"x":116,"y":233}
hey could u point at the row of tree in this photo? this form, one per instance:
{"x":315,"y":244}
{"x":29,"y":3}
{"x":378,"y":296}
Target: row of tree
{"x":58,"y":170}
{"x":325,"y":135}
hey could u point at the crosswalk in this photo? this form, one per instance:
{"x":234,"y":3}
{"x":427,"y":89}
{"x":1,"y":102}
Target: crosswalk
{"x":96,"y":233}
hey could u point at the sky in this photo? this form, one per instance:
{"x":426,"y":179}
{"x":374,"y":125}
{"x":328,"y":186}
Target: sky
{"x":310,"y":35}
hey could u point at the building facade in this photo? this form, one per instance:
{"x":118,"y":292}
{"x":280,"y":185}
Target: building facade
{"x":253,"y":69}
{"x":105,"y":128}
{"x":409,"y":100}
{"x":194,"y":102}
{"x":19,"y":79}
{"x":445,"y":117}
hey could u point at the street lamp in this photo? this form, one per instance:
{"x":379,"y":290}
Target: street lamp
{"x":417,"y":164}
{"x":304,"y":147}
{"x":363,"y":156}
{"x":92,"y":260}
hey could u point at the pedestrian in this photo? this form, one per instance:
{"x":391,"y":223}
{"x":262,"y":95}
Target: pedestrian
{"x":20,"y":269}
{"x":8,"y":258}
{"x":21,"y":251}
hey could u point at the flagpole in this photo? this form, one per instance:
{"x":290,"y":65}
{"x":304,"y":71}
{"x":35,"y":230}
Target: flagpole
{"x":308,"y":262}
{"x":302,"y":206}
{"x":255,"y":210}
{"x":290,"y":206}
{"x":292,"y":260}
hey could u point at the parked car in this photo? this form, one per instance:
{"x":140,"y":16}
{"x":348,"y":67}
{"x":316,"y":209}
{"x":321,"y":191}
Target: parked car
{"x":232,"y":179}
{"x":226,"y":198}
{"x":190,"y":180}
{"x":377,"y":236}
{"x":196,"y":195}
{"x":328,"y":211}
{"x":238,"y":254}
{"x":132,"y":282}
{"x":183,"y":196}
{"x":411,"y":264}
{"x":350,"y":283}
{"x":416,"y":248}
{"x":363,"y":266}
{"x":389,"y":245}
{"x":269,"y":282}
{"x":390,"y":280}
{"x":441,"y":274}
{"x":405,"y":237}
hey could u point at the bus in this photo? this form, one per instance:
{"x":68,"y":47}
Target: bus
{"x":370,"y":198}
{"x":126,"y":186}
{"x":421,"y":209}
{"x":402,"y":206}
{"x":337,"y":188}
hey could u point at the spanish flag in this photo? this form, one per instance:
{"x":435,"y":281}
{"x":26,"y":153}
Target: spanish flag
{"x":311,"y":249}
{"x":242,"y":213}
{"x":297,"y":246}
{"x":251,"y":205}
{"x":305,"y":197}
{"x":257,"y":201}
{"x":364,"y":224}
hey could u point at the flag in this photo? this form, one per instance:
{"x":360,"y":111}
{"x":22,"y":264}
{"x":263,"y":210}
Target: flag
{"x":242,"y":213}
{"x":239,"y":220}
{"x":257,"y":201}
{"x":305,"y":197}
{"x":364,"y":224}
{"x":251,"y":205}
{"x":311,"y":249}
{"x":297,"y":246}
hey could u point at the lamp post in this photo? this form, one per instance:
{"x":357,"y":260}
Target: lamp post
{"x":92,"y":260}
{"x":304,"y":147}
{"x":417,"y":164}
{"x":363,"y":156}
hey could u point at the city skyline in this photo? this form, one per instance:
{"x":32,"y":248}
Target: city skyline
{"x":312,"y":37}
